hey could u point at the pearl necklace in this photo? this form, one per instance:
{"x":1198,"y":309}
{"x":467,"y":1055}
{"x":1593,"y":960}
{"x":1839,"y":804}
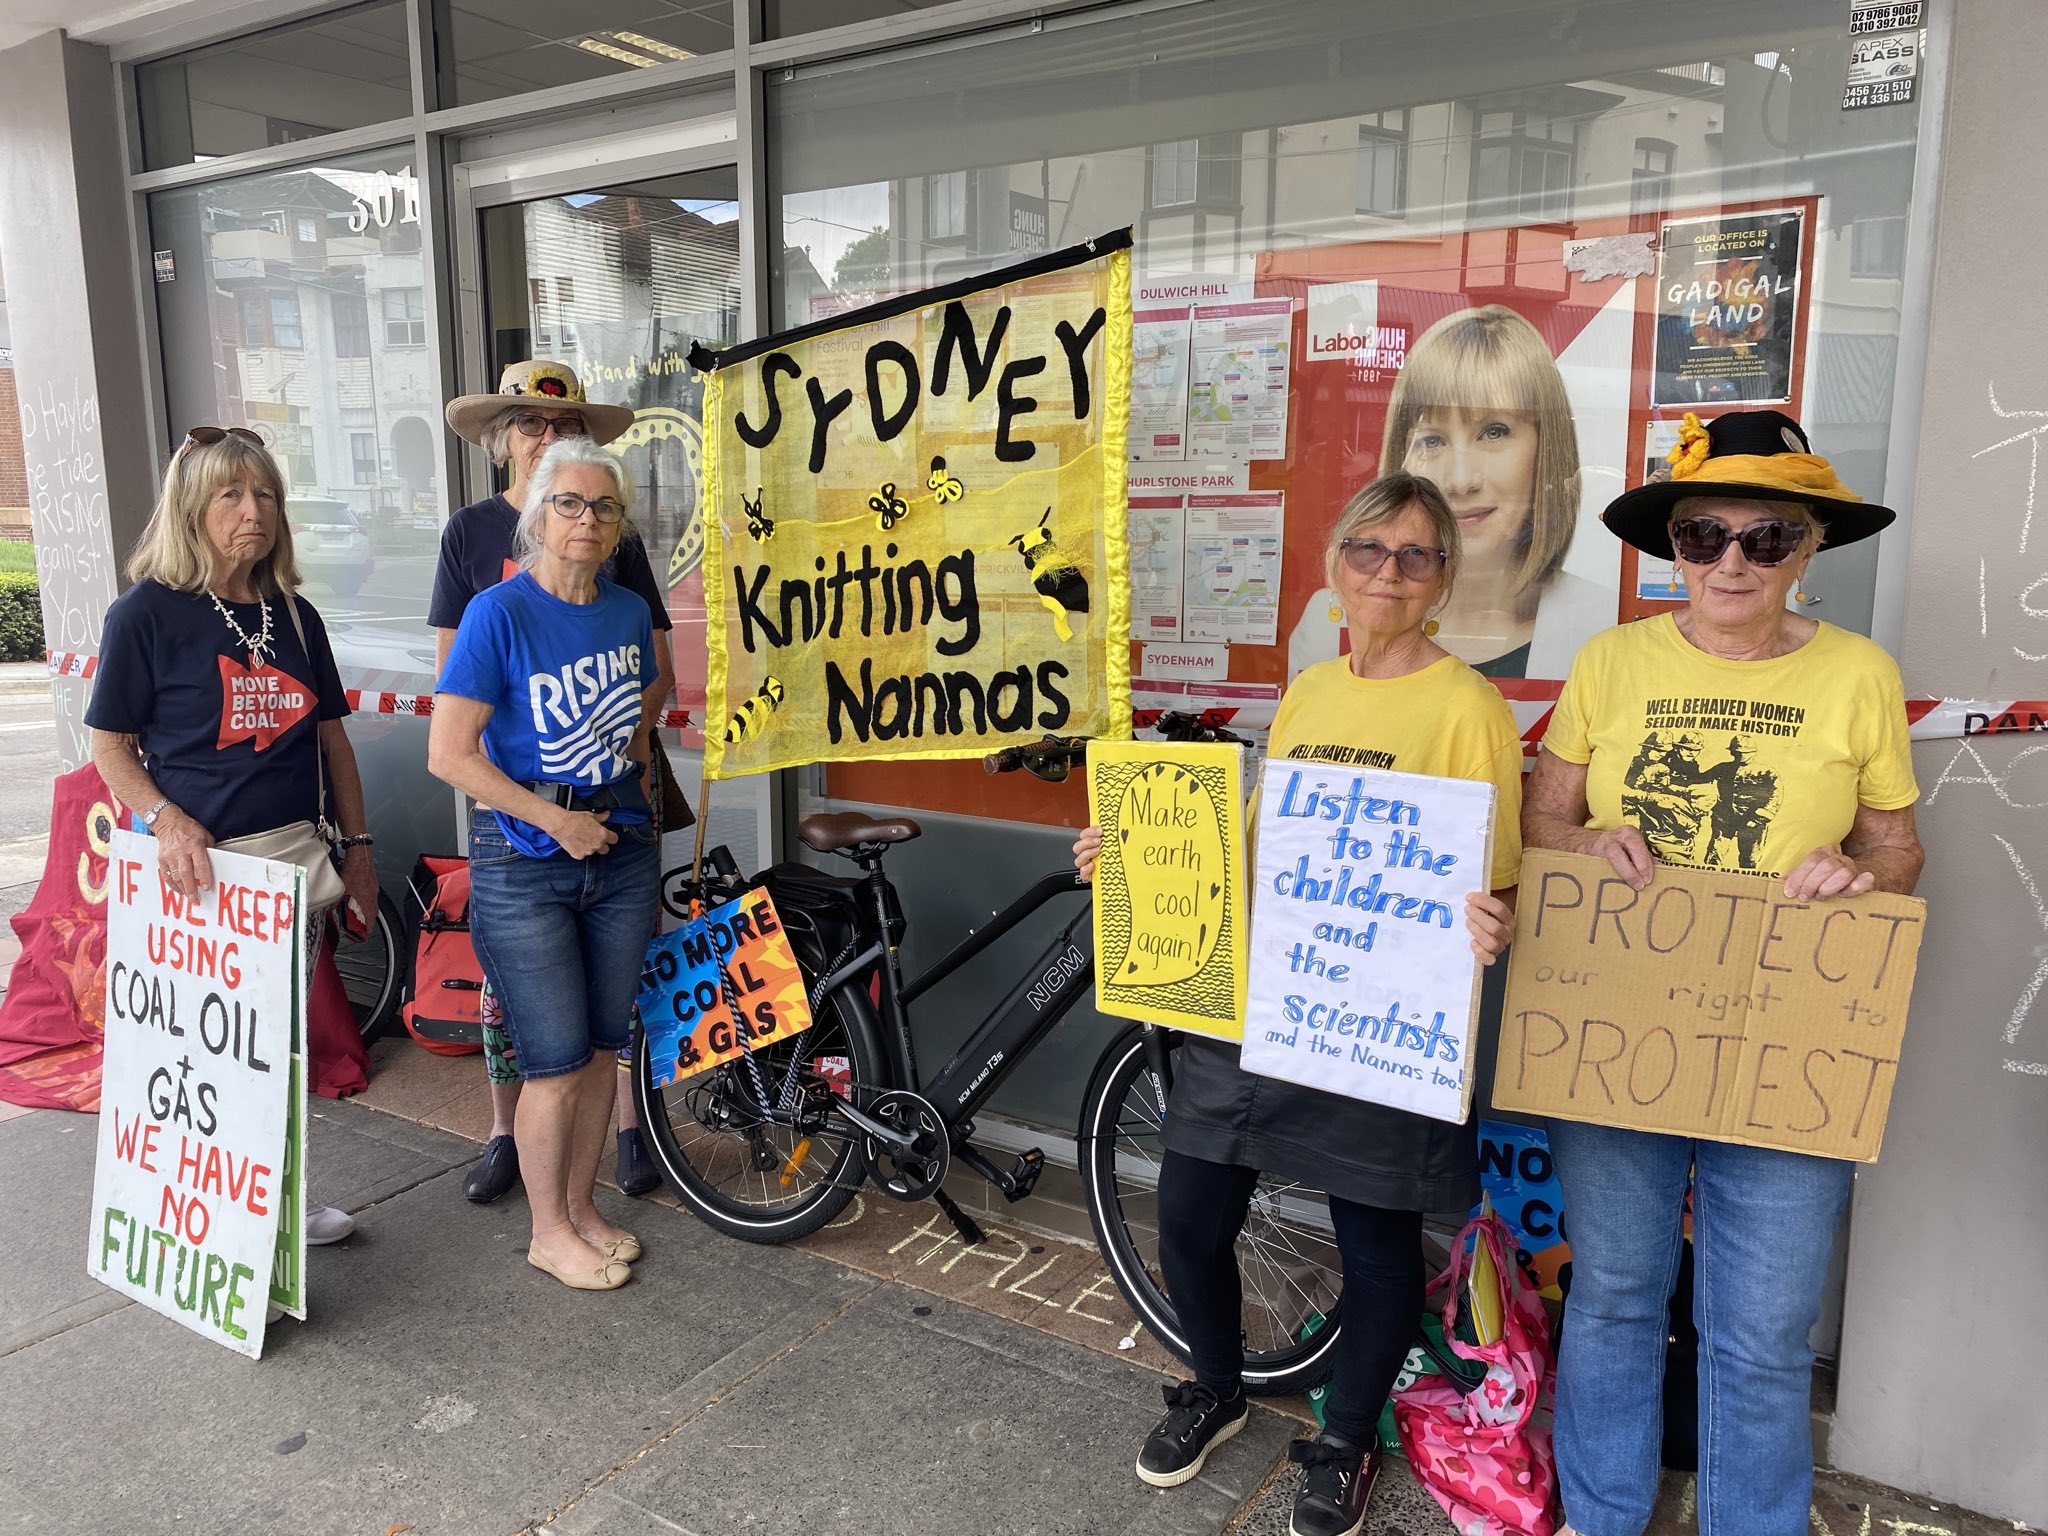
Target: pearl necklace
{"x":256,"y":647}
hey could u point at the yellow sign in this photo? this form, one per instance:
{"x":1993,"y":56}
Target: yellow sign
{"x":1169,"y":888}
{"x":915,"y":525}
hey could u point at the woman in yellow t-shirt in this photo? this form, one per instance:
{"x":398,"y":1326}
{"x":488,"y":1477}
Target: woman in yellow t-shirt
{"x":1735,"y":735}
{"x":1400,"y":701}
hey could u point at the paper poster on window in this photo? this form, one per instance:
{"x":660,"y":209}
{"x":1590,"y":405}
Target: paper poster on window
{"x":1232,"y":577}
{"x":1169,"y":888}
{"x":1237,"y":394}
{"x":1159,"y":382}
{"x":1158,"y":540}
{"x":1658,"y":580}
{"x":915,"y":531}
{"x":1727,"y":309}
{"x":1363,"y":980}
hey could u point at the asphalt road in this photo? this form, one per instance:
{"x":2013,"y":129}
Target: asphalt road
{"x":28,"y":762}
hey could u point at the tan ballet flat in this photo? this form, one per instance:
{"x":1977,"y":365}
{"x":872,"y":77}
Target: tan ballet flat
{"x":608,"y":1276}
{"x":625,"y":1247}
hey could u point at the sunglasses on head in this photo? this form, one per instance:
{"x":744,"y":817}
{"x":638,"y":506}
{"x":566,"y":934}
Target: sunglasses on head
{"x":206,"y":437}
{"x":536,"y":424}
{"x":1703,"y":540}
{"x":1368,"y":557}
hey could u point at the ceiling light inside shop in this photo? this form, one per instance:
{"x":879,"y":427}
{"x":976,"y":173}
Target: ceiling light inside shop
{"x":598,"y":45}
{"x":653,"y":45}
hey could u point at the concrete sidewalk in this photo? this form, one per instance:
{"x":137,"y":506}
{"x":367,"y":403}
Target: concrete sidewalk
{"x":880,"y":1380}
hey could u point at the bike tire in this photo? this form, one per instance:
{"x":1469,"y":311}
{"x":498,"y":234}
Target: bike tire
{"x":710,"y":1168}
{"x":1293,"y":1281}
{"x":373,"y":969}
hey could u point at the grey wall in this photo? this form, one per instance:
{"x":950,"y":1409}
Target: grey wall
{"x":64,"y":242}
{"x":1943,"y":1351}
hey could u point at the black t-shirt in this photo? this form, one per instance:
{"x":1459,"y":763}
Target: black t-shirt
{"x":476,"y":554}
{"x":236,"y":748}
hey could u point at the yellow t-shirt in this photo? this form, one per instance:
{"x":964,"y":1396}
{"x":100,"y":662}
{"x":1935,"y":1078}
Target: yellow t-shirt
{"x":1739,"y":765}
{"x":1445,"y":720}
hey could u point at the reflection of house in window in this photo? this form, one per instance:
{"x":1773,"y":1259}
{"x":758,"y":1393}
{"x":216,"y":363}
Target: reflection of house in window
{"x":271,"y":319}
{"x":351,"y":325}
{"x":1523,"y":160}
{"x":1877,"y":248}
{"x":1207,"y":172}
{"x":362,"y":457}
{"x":945,"y":206}
{"x":405,"y":317}
{"x":1383,"y":163}
{"x":1650,"y":190}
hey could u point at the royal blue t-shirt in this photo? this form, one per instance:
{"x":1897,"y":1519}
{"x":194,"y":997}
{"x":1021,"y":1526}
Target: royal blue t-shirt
{"x":476,"y":554}
{"x":564,"y":682}
{"x":235,"y":747}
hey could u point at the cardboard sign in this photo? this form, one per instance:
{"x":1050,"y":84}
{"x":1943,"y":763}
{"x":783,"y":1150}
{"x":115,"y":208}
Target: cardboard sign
{"x":1707,"y":1005}
{"x":1169,"y":889}
{"x":915,"y":530}
{"x":193,"y":1104}
{"x":722,"y":984}
{"x":1363,"y":980}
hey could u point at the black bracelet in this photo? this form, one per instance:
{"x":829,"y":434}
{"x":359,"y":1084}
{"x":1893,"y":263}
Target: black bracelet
{"x":360,"y":840}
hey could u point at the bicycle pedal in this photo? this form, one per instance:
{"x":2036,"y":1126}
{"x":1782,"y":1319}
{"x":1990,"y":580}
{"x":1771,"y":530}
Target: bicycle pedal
{"x":1018,"y":1182}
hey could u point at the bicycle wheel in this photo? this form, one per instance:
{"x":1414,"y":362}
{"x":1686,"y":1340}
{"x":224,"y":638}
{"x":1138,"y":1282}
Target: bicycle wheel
{"x":373,"y":969}
{"x":1293,"y":1278}
{"x":761,"y":1182}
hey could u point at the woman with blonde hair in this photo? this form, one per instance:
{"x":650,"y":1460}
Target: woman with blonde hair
{"x":211,"y":623}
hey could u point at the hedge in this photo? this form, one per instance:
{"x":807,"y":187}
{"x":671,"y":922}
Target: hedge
{"x":21,"y":617}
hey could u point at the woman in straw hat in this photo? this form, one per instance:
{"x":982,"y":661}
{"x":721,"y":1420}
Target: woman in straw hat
{"x":537,"y":404}
{"x":1813,"y":792}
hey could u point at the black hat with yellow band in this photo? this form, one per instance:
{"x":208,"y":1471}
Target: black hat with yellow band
{"x":1745,"y":456}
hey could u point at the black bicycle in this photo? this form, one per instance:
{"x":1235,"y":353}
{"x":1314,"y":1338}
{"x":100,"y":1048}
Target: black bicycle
{"x":772,"y":1146}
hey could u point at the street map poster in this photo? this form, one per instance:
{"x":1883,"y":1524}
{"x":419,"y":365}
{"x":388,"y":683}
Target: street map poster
{"x":915,"y":524}
{"x":1169,"y":887}
{"x":1363,"y":980}
{"x":192,"y":1157}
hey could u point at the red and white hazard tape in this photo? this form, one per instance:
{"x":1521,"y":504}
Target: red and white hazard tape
{"x":72,"y":664}
{"x":373,"y":702}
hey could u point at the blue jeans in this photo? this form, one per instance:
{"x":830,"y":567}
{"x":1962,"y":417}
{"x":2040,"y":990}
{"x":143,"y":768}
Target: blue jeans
{"x":562,"y":941}
{"x":1763,"y":1231}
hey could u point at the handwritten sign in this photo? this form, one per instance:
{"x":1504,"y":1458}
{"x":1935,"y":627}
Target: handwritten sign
{"x":915,"y":532}
{"x":720,"y":985}
{"x":1169,"y":889}
{"x":1707,"y":1005}
{"x":193,"y":1103}
{"x":1363,"y":980}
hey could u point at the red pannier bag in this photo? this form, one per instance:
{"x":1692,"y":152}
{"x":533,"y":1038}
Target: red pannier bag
{"x":445,"y":1013}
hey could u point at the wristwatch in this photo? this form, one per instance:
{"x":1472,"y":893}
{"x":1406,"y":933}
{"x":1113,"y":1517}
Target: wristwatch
{"x":149,"y":816}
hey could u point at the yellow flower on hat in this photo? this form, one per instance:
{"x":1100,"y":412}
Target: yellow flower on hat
{"x":1692,"y":448}
{"x":551,"y":381}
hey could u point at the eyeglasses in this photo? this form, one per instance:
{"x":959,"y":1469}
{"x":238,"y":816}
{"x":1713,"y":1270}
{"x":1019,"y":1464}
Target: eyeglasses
{"x":535,"y":424}
{"x":1703,"y":540}
{"x":206,"y":437}
{"x":608,"y":509}
{"x":1368,"y":557}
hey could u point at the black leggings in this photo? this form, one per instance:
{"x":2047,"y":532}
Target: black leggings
{"x":1202,"y":1209}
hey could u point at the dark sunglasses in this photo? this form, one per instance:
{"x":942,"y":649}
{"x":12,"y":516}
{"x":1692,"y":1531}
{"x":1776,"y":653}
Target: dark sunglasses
{"x":608,"y":510}
{"x":1703,"y":540}
{"x":1368,"y":557}
{"x":206,"y":437}
{"x":534,"y":424}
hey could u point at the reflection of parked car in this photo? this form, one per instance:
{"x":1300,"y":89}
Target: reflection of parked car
{"x":332,"y":542}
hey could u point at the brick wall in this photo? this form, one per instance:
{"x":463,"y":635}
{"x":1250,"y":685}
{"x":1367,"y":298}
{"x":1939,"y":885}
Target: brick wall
{"x":13,"y":479}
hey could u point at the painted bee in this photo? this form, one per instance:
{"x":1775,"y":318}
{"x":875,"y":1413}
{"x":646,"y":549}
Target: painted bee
{"x":893,"y":508}
{"x":944,"y":482}
{"x":761,"y":526}
{"x":1055,"y":577}
{"x":750,"y":717}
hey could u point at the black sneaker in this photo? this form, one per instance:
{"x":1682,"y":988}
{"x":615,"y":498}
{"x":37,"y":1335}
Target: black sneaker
{"x":636,"y":1172}
{"x":496,"y":1171}
{"x":1336,"y":1482}
{"x":1196,"y":1422}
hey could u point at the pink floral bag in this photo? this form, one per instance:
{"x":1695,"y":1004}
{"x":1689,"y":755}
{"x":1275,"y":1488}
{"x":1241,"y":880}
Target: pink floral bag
{"x":1479,"y":1453}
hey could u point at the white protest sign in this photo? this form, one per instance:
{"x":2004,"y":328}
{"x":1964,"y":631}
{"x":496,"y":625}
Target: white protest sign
{"x":1363,"y":980}
{"x":193,"y":1094}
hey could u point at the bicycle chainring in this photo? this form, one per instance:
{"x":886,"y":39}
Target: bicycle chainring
{"x":919,"y":1174}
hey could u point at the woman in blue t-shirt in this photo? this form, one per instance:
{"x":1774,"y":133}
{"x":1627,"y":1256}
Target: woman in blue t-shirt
{"x":543,"y":717}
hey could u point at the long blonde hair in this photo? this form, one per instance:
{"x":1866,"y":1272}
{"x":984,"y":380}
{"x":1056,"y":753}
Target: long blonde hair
{"x":173,"y":550}
{"x":1494,"y":359}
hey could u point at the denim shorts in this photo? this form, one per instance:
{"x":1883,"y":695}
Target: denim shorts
{"x":562,"y":941}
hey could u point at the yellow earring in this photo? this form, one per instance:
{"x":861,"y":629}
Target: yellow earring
{"x":1672,"y":584}
{"x":1429,"y":627}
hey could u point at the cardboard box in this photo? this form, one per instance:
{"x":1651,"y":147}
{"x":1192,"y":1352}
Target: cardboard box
{"x":1706,"y":1005}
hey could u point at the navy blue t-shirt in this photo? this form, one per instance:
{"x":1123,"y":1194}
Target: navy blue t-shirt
{"x":476,"y":554}
{"x":564,"y":682}
{"x":234,"y":747}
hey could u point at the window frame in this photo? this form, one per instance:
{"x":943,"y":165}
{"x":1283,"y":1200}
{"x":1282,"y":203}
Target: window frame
{"x":1379,"y":135}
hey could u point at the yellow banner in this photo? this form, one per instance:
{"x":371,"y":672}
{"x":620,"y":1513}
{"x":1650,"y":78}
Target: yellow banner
{"x":915,"y":535}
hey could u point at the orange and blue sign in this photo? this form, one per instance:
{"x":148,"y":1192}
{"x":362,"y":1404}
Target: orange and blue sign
{"x":723,"y":983}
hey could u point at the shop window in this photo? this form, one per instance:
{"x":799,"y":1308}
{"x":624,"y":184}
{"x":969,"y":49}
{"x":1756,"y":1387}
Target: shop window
{"x":1523,"y":164}
{"x":1877,"y":248}
{"x":1650,"y":184}
{"x":493,"y":50}
{"x":351,"y":325}
{"x":1383,"y":164}
{"x":362,"y":454}
{"x":405,"y":317}
{"x":945,"y":206}
{"x":346,"y":69}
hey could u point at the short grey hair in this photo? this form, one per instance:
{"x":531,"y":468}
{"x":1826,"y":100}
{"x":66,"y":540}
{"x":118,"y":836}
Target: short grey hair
{"x":496,"y":438}
{"x":1791,"y":511}
{"x":1383,"y":500}
{"x":563,"y":453}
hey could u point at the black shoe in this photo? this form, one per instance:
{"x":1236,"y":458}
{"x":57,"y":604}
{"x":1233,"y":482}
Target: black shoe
{"x":495,"y":1172}
{"x":1196,"y":1422}
{"x":636,"y":1173}
{"x":1336,"y":1482}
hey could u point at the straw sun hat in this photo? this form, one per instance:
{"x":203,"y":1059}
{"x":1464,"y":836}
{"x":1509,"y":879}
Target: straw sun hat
{"x":540,"y":386}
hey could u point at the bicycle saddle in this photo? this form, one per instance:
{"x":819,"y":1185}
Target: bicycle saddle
{"x":830,"y":832}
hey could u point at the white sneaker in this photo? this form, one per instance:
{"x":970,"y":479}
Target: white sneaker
{"x":327,"y":1224}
